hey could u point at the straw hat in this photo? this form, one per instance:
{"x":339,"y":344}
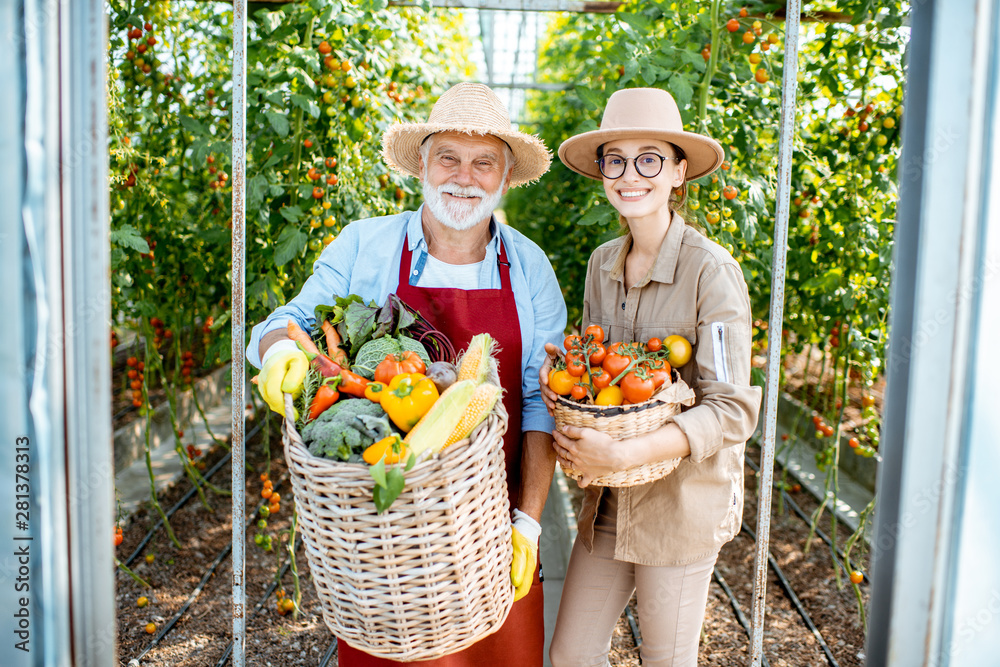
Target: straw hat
{"x":640,"y":113}
{"x":471,"y":108}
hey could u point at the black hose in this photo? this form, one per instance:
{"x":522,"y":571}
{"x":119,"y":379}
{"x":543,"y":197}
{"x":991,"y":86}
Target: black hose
{"x":799,"y":512}
{"x":787,"y":587}
{"x":185,"y":498}
{"x":740,"y":616}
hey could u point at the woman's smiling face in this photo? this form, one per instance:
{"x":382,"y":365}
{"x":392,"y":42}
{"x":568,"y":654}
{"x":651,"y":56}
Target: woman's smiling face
{"x":636,"y":196}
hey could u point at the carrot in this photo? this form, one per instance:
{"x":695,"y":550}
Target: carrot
{"x":333,"y":343}
{"x":326,"y":366}
{"x":296,"y":333}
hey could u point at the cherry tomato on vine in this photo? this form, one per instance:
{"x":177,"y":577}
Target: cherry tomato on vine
{"x":660,"y":373}
{"x":654,"y":344}
{"x":600,"y":377}
{"x":857,"y":577}
{"x":636,"y":387}
{"x":597,"y":354}
{"x":615,"y":363}
{"x":853,"y":443}
{"x":572,"y":342}
{"x":596,"y":333}
{"x":578,"y":392}
{"x":575,"y":364}
{"x":561,"y":382}
{"x":732,"y":25}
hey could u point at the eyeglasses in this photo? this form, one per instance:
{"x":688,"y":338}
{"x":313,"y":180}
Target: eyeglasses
{"x":648,"y":165}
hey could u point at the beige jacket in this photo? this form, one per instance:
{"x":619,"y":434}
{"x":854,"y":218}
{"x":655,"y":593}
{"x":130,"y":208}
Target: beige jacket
{"x":695,"y":289}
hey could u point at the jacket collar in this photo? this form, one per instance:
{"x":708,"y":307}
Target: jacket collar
{"x":663,"y":268}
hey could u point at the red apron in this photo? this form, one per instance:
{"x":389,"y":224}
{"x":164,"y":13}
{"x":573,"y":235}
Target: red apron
{"x":460,"y":314}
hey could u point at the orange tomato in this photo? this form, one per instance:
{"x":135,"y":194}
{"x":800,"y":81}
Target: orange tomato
{"x":561,"y":382}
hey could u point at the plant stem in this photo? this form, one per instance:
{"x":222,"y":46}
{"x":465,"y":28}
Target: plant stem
{"x":710,"y":66}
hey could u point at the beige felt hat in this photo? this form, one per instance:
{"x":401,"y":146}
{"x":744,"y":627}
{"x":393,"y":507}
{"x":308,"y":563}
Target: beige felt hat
{"x":639,"y":113}
{"x":471,"y":108}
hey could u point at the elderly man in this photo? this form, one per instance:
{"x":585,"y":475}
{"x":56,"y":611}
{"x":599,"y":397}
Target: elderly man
{"x":466,"y":274}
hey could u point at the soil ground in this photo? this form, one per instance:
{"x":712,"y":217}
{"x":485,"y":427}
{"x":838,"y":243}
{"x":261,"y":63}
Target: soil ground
{"x":203,"y":632}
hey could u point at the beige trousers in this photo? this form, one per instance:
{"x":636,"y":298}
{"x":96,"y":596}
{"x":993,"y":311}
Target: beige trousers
{"x":671,"y":603}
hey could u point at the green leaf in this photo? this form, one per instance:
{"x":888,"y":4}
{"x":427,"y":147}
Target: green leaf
{"x":306,"y":104}
{"x":597,"y":215}
{"x":129,"y":237}
{"x":279,"y":122}
{"x":590,"y":98}
{"x":291,"y":242}
{"x":637,"y":22}
{"x":385,"y":495}
{"x":191,"y":125}
{"x":256,"y":190}
{"x":681,"y":89}
{"x":291,"y":213}
{"x":270,"y":20}
{"x":410,"y":462}
{"x":377,"y":472}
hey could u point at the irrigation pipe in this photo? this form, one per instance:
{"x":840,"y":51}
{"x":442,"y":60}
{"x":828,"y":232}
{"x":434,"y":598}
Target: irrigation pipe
{"x":185,"y":498}
{"x":263,"y":601}
{"x":796,"y":602}
{"x":740,"y":616}
{"x":799,"y":512}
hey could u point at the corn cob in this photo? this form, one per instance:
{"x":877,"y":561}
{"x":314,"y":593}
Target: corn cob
{"x":437,"y":424}
{"x":477,"y":359}
{"x":483,"y":399}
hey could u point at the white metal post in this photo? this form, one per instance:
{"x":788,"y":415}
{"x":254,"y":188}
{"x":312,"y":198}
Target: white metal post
{"x":238,"y":110}
{"x":774,"y":324}
{"x":86,"y":304}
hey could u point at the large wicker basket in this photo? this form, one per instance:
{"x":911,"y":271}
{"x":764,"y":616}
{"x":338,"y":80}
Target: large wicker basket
{"x":429,"y":576}
{"x":626,"y":421}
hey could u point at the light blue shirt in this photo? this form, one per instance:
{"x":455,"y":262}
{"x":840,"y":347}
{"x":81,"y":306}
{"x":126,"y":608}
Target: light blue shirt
{"x":364,"y":260}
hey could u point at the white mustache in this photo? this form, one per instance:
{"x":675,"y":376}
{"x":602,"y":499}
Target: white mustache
{"x":462,"y":191}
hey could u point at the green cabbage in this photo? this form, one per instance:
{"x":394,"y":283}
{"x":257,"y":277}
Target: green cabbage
{"x":373,"y":352}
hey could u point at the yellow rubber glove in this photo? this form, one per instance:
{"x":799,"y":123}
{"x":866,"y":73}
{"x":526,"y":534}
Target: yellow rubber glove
{"x":522,"y":567}
{"x":283,"y":372}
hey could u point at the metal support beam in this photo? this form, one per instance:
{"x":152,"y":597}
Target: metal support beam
{"x":238,"y":310}
{"x":86,"y":317}
{"x":940,"y":413}
{"x":782,"y":196}
{"x":580,"y":6}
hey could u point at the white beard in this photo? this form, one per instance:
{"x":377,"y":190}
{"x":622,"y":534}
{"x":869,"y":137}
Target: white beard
{"x":459,"y":215}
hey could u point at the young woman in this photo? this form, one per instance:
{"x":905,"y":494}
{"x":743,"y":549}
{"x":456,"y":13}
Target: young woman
{"x":661,"y":539}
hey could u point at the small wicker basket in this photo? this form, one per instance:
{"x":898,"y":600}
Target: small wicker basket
{"x":626,"y":421}
{"x":429,"y":576}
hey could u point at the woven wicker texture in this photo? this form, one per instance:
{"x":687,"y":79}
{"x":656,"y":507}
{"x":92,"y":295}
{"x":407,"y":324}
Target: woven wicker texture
{"x":429,"y":576}
{"x":627,"y":421}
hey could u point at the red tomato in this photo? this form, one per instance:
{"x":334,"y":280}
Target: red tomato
{"x":596,"y":333}
{"x":637,"y":388}
{"x":857,"y":577}
{"x":572,"y":342}
{"x":597,"y":355}
{"x":576,"y":365}
{"x":615,"y":364}
{"x":578,"y":392}
{"x":654,"y":344}
{"x":660,"y":373}
{"x":601,"y":378}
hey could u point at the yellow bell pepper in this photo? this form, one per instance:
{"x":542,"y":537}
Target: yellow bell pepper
{"x":408,"y":398}
{"x":375,"y":391}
